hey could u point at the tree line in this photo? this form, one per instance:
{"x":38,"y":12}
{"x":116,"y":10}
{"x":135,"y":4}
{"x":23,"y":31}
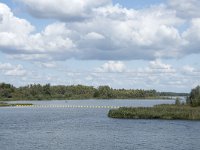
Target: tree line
{"x":47,"y":91}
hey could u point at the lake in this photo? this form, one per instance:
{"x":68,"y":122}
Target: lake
{"x":90,"y":129}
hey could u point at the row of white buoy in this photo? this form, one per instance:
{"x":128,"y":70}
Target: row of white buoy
{"x":66,"y":106}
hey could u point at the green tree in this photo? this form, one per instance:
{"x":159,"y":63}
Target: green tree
{"x":6,"y":90}
{"x":177,"y":102}
{"x":46,"y":89}
{"x":105,"y":92}
{"x":194,"y":97}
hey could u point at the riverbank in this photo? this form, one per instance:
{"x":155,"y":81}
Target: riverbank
{"x":165,"y":111}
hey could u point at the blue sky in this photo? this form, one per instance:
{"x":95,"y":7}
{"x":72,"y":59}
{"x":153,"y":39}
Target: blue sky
{"x":121,"y":43}
{"x":138,"y":4}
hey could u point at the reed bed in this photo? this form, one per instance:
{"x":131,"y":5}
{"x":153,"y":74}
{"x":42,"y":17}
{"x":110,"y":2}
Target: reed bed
{"x":169,"y":112}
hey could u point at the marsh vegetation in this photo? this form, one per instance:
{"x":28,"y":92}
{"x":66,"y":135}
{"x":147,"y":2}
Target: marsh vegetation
{"x":182,"y":111}
{"x":169,"y":112}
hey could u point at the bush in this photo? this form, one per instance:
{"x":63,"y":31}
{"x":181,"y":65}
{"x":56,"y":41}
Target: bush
{"x":178,"y":102}
{"x":194,"y":97}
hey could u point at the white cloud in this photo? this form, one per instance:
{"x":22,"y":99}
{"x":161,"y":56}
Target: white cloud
{"x":130,"y":34}
{"x":67,"y":10}
{"x":94,"y":36}
{"x":112,"y":33}
{"x":156,"y":73}
{"x":99,"y":30}
{"x":16,"y":36}
{"x":54,"y":39}
{"x":112,"y":66}
{"x":13,"y":31}
{"x":185,"y":8}
{"x":188,"y":69}
{"x":12,"y":70}
{"x":30,"y":57}
{"x":47,"y":64}
{"x":192,"y":37}
{"x":157,"y":65}
{"x":5,"y":66}
{"x":12,"y":24}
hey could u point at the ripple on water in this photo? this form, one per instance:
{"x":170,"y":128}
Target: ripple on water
{"x":89,"y":129}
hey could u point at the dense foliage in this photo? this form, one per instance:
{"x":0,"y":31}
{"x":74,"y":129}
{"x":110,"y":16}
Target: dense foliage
{"x":41,"y":92}
{"x":194,"y":97}
{"x":168,"y":112}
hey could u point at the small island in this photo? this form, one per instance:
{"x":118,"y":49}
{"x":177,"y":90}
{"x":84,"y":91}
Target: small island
{"x":178,"y":111}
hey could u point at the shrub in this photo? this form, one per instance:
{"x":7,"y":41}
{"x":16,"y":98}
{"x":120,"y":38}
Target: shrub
{"x":194,"y":97}
{"x":178,"y":102}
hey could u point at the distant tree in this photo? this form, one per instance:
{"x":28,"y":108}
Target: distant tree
{"x":6,"y":90}
{"x":42,"y":92}
{"x":96,"y":93}
{"x":194,"y":97}
{"x":105,"y":92}
{"x":177,"y":102}
{"x":46,"y":89}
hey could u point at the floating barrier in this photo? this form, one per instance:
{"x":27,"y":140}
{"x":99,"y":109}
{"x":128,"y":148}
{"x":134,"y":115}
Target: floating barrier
{"x":67,"y":106}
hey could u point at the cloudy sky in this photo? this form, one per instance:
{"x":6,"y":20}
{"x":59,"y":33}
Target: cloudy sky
{"x":148,"y":44}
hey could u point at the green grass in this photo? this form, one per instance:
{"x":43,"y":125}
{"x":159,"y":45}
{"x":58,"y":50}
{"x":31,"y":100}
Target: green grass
{"x":168,"y":112}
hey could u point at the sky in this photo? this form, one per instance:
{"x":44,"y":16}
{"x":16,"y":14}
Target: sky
{"x":132,"y":44}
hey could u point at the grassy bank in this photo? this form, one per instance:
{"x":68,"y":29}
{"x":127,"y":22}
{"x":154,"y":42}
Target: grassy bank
{"x":2,"y":104}
{"x":169,"y":112}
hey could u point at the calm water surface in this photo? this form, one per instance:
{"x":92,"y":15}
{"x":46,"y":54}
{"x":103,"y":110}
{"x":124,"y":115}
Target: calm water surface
{"x":91,"y":129}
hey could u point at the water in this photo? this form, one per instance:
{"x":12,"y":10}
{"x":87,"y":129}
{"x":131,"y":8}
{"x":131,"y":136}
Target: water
{"x":133,"y":103}
{"x":91,"y":129}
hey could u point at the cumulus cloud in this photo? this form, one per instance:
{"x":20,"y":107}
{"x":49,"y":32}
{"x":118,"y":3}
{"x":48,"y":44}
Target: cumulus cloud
{"x":155,"y":74}
{"x":192,"y":37}
{"x":112,"y":32}
{"x":65,"y":10}
{"x":185,"y":8}
{"x":54,"y":38}
{"x":100,"y":30}
{"x":10,"y":23}
{"x":12,"y":70}
{"x":13,"y":31}
{"x":31,"y":57}
{"x":188,"y":68}
{"x":47,"y":64}
{"x":94,"y":36}
{"x":157,"y":65}
{"x":16,"y":37}
{"x":131,"y":35}
{"x":112,"y":66}
{"x":5,"y":66}
{"x":191,"y":71}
